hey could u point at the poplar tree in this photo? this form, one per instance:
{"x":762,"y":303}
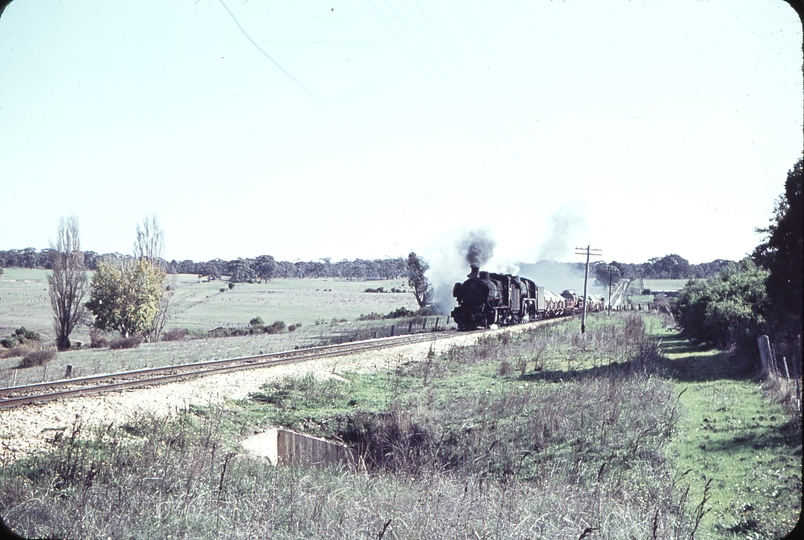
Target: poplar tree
{"x":67,"y":282}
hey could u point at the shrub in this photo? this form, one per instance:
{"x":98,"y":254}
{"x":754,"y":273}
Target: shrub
{"x":400,"y":312}
{"x":175,"y":334}
{"x":293,"y":327}
{"x":231,"y":285}
{"x":131,"y":342}
{"x":256,"y":322}
{"x":97,"y":340}
{"x":20,"y":336}
{"x":19,"y":350}
{"x":37,"y":358}
{"x":275,"y":328}
{"x":23,"y":335}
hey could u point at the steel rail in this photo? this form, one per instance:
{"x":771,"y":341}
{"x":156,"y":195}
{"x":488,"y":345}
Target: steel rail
{"x":179,"y":372}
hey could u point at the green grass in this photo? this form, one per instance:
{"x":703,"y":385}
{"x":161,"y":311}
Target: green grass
{"x":24,"y":301}
{"x":732,"y":435}
{"x":664,"y":284}
{"x":538,"y":434}
{"x":200,"y":305}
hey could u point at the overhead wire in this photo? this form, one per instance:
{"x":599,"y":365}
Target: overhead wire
{"x":458,"y":104}
{"x":506,"y":138}
{"x":500,"y":134}
{"x":268,"y":56}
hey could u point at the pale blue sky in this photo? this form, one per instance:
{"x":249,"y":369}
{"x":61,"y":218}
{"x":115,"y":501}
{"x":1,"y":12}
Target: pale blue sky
{"x":372,"y":127}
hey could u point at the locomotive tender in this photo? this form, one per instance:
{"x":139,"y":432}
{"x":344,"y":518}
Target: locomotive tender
{"x":502,"y":299}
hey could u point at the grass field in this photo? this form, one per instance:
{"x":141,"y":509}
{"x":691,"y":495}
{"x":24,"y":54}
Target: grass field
{"x":326,"y":309}
{"x":200,"y":306}
{"x":543,"y":434}
{"x":664,"y":284}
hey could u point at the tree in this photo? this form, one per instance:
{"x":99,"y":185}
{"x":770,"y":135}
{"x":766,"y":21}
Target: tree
{"x":150,"y":245}
{"x":782,"y":254}
{"x":67,"y":282}
{"x":606,"y":273}
{"x":727,"y":309}
{"x":241,"y":272}
{"x":210,"y":270}
{"x":126,"y":295}
{"x":265,"y":267}
{"x":150,"y":242}
{"x":422,"y":289}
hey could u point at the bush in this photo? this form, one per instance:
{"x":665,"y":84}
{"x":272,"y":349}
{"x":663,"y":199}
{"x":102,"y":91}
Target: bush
{"x":293,"y":327}
{"x":19,"y":350}
{"x":97,"y":340}
{"x":275,"y":328}
{"x":23,"y":335}
{"x":20,"y":336}
{"x":37,"y":358}
{"x":400,"y":312}
{"x":256,"y":322}
{"x":727,"y":309}
{"x":131,"y":342}
{"x":175,"y":334}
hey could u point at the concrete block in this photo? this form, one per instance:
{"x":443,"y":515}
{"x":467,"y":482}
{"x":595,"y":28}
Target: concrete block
{"x":284,"y":447}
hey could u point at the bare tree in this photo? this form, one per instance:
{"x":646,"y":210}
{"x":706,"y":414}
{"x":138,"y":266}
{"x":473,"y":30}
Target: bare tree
{"x":150,"y":241}
{"x":68,"y":281}
{"x":150,"y":245}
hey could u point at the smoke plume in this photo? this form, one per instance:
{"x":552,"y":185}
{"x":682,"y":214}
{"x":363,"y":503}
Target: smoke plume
{"x":478,"y":247}
{"x":565,"y":224}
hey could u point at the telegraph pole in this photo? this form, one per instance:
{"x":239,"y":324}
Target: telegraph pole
{"x":588,"y":251}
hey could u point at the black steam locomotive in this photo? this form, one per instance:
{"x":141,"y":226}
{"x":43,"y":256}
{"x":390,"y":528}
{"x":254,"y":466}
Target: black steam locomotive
{"x":502,"y":299}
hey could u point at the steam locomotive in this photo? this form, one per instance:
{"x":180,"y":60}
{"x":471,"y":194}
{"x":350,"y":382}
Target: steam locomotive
{"x":502,"y":299}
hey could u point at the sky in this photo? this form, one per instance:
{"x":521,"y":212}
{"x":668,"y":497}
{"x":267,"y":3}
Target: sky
{"x":370,"y":128}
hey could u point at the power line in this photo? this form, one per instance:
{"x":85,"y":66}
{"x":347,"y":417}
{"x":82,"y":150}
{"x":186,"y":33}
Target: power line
{"x":268,"y":56}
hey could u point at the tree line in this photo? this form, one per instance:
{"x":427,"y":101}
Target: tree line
{"x":260,"y":268}
{"x":760,"y":295}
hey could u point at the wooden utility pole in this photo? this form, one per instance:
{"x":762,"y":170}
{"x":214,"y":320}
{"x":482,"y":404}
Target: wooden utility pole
{"x":588,"y":251}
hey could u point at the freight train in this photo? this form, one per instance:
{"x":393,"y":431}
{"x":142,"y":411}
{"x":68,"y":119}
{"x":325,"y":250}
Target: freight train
{"x":502,"y":299}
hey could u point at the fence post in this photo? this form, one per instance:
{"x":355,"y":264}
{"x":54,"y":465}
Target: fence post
{"x":424,"y":324}
{"x":410,"y":327}
{"x":392,"y":330}
{"x":764,"y":352}
{"x":69,"y":372}
{"x":435,"y":328}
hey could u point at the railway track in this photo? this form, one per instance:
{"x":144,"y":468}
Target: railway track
{"x":15,"y":396}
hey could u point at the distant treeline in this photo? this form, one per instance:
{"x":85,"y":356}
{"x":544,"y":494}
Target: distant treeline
{"x":260,"y":268}
{"x":668,"y":267}
{"x":265,"y":267}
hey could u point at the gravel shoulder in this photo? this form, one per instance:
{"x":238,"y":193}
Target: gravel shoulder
{"x":30,"y":428}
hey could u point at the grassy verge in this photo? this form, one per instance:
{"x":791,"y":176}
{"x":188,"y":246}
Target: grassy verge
{"x":735,"y":440}
{"x":539,"y":434}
